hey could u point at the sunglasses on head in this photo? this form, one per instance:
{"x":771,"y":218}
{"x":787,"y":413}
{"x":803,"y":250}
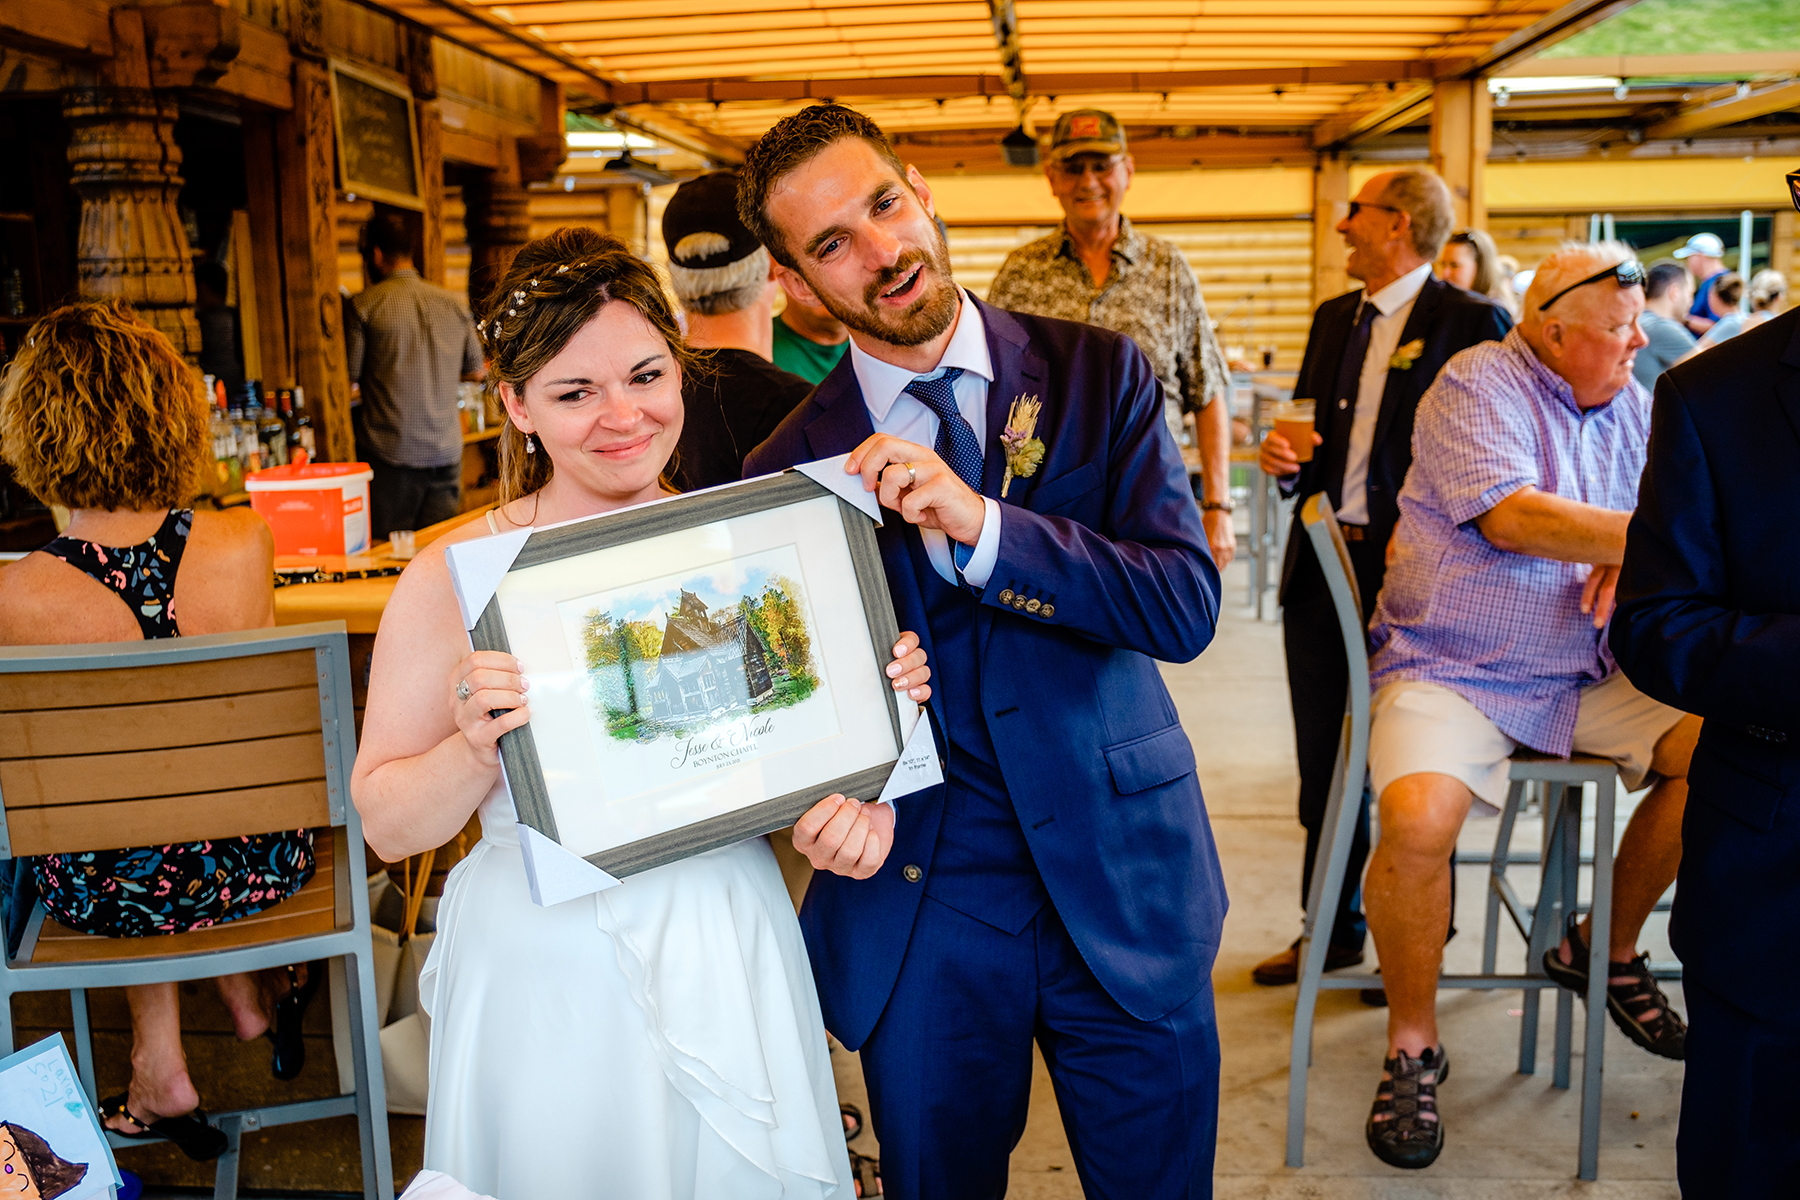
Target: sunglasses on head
{"x":1627,"y":274}
{"x":1357,"y":206}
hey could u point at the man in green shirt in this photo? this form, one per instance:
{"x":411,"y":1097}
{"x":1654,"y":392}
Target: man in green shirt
{"x":808,"y":340}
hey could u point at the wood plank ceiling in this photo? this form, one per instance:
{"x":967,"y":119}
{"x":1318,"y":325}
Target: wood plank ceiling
{"x":931,"y":71}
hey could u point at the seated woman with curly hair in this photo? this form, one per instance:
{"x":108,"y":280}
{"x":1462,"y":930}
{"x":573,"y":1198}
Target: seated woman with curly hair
{"x":99,"y":414}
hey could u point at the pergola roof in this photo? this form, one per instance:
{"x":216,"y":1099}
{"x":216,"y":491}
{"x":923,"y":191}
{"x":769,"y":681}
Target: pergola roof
{"x":724,"y":70}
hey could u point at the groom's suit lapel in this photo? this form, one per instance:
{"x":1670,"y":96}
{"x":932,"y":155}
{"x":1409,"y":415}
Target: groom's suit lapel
{"x":1019,"y":370}
{"x":840,"y":426}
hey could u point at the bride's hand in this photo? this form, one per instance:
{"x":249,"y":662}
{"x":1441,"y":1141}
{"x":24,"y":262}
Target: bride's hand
{"x":496,"y":684}
{"x":908,"y":670}
{"x":846,"y":837}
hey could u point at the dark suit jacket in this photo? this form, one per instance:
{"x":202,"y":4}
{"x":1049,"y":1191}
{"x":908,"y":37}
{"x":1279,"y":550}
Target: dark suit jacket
{"x":1107,"y":536}
{"x":1448,"y":320}
{"x":1708,"y":620}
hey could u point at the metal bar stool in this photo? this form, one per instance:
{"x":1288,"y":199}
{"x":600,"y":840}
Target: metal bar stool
{"x":1541,"y":923}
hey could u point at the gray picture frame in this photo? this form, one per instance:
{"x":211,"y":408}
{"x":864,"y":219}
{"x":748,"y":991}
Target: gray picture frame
{"x":518,"y":749}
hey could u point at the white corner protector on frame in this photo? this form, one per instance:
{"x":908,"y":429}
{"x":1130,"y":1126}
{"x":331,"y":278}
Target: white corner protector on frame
{"x":829,"y":474}
{"x":918,"y":767}
{"x":556,"y":874}
{"x":478,"y":566}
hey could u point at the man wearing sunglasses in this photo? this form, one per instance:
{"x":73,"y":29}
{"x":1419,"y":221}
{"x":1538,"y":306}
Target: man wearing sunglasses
{"x":1709,"y":620}
{"x":1100,"y":270}
{"x":1370,"y":356}
{"x":1490,"y":636}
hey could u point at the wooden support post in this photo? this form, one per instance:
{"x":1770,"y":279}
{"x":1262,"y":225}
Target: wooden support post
{"x":263,"y":200}
{"x":1331,"y":203}
{"x":431,"y":186}
{"x":1462,"y":133}
{"x":498,"y":220}
{"x":309,"y":256}
{"x":124,"y":161}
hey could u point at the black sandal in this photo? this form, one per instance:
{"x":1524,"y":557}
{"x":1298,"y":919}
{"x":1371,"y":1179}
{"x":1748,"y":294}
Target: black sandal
{"x":1403,"y":1137}
{"x":289,"y":1057}
{"x":1665,"y":1034}
{"x":191,"y":1134}
{"x":865,"y":1173}
{"x":853,"y":1121}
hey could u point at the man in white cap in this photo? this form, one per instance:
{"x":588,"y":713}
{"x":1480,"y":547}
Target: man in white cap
{"x":1704,"y":255}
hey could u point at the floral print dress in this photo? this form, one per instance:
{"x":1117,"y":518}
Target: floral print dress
{"x":152,"y":890}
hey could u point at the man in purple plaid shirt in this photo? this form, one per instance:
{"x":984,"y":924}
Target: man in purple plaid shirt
{"x":1490,"y":634}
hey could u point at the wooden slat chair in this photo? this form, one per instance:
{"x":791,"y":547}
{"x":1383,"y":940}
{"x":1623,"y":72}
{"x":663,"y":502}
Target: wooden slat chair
{"x":184,"y":740}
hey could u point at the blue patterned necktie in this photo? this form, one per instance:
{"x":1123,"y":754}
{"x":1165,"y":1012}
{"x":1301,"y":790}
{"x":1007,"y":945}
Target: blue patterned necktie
{"x":956,"y":440}
{"x":956,"y":444}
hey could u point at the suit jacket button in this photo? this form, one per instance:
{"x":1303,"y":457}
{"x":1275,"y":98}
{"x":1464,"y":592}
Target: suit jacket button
{"x":1006,"y":596}
{"x":1031,"y":606}
{"x":1049,"y":610}
{"x":912,"y":873}
{"x":1018,"y":602}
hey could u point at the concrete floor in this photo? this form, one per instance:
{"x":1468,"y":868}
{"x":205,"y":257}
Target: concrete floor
{"x":1510,"y":1136}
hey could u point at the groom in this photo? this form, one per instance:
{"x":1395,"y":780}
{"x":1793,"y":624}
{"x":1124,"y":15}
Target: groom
{"x":1061,"y":886}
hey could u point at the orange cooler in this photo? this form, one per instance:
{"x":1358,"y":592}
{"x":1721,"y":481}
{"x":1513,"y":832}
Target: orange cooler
{"x":319,"y":508}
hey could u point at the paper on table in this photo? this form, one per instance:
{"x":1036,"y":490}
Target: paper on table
{"x":829,"y":473}
{"x":39,"y":1092}
{"x":478,"y":566}
{"x":556,"y":874}
{"x":918,"y":767}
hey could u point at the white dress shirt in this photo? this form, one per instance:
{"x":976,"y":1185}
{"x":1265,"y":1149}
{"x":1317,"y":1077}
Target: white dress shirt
{"x":1393,"y":305}
{"x":893,"y":410}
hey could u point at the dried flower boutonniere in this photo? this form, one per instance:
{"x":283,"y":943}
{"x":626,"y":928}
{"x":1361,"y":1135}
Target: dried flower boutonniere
{"x":1403,"y":358}
{"x":1023,"y":451}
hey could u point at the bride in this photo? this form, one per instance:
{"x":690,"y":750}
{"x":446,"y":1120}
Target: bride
{"x":662,"y":1038}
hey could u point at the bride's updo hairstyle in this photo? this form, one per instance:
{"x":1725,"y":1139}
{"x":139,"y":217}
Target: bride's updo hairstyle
{"x":554,"y":287}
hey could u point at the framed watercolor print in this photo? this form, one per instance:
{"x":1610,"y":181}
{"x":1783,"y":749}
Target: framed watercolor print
{"x":377,"y":137}
{"x":703,"y":669}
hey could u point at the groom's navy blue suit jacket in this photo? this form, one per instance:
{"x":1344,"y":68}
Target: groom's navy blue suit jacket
{"x":1106,"y":536}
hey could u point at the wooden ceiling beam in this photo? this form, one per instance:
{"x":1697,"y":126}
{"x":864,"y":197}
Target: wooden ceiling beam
{"x":933,"y":87}
{"x":1626,"y":66}
{"x":1373,"y":114}
{"x":1540,"y":35}
{"x":1706,"y":113}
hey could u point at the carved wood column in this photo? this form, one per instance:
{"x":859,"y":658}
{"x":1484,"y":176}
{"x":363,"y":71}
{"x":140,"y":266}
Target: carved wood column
{"x":1331,"y":201}
{"x":421,"y":76}
{"x":308,"y":198}
{"x":498,"y":219}
{"x":125,"y":163}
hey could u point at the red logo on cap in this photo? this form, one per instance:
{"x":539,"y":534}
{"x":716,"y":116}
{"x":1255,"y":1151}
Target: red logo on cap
{"x":1084,"y":127}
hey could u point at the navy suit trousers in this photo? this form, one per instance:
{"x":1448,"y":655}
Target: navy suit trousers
{"x":949,"y":1068}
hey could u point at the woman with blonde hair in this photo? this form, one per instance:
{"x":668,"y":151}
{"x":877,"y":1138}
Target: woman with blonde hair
{"x":661,"y":1038}
{"x":1768,"y":288}
{"x":99,"y":414}
{"x":1471,"y":262}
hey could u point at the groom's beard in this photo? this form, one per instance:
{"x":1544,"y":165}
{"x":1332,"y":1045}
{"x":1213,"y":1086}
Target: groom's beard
{"x":930,"y":313}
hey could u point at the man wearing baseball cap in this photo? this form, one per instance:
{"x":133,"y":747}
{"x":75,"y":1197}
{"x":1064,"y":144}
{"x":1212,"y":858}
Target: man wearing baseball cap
{"x":1705,"y":258}
{"x":1099,"y":270}
{"x":721,"y":277}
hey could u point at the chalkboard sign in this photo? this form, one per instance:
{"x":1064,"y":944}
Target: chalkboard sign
{"x":378,"y":145}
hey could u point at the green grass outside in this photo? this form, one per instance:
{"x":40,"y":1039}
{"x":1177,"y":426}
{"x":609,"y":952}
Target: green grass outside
{"x":1689,"y":27}
{"x":787,"y":693}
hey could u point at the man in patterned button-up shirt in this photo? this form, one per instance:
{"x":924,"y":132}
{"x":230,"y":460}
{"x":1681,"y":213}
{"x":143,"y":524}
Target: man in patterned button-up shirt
{"x":1098,"y":270}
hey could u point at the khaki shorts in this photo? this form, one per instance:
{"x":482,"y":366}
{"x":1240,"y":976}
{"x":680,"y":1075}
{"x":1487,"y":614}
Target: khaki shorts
{"x":1425,"y":727}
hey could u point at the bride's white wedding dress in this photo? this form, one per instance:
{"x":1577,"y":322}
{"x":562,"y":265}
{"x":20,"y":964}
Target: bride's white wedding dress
{"x":658,"y":1039}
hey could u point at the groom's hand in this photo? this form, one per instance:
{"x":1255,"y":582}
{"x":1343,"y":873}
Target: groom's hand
{"x":931,"y":495}
{"x":846,"y":837}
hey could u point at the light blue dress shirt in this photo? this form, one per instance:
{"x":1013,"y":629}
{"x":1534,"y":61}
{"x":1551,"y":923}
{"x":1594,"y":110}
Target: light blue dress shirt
{"x":894,"y":411}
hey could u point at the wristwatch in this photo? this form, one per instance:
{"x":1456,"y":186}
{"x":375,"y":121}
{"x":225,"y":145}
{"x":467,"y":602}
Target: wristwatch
{"x":1223,"y":506}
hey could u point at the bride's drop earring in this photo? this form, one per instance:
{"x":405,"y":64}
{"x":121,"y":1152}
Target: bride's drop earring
{"x":530,"y":446}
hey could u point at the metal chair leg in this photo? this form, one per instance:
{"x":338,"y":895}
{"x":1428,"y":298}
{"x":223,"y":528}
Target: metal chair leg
{"x":1328,"y":881}
{"x":1594,"y":1065}
{"x":1569,"y":830}
{"x":371,"y":1097}
{"x":1490,"y":944}
{"x":84,"y":1044}
{"x":225,"y":1169}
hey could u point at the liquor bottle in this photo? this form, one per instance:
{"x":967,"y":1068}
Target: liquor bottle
{"x":271,"y":433}
{"x":249,"y":451}
{"x":302,"y":448}
{"x":228,"y":471}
